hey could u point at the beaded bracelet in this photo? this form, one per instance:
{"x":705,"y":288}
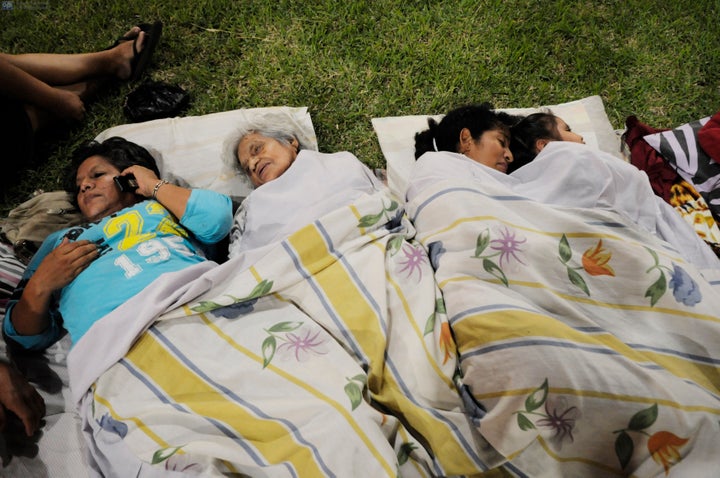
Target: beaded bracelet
{"x":157,"y":186}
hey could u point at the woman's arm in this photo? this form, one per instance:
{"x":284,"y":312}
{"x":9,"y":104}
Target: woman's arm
{"x":207,"y":214}
{"x":48,"y":273}
{"x":173,"y":197}
{"x":19,"y":397}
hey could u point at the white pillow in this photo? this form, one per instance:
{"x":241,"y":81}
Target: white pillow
{"x":189,"y":150}
{"x":396,"y":134}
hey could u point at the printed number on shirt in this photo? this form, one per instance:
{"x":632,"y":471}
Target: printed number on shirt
{"x":154,"y":251}
{"x":146,"y":244}
{"x":131,"y":223}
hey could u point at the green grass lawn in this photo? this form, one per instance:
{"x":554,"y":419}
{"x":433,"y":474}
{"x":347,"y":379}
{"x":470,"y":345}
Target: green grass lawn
{"x":349,"y":61}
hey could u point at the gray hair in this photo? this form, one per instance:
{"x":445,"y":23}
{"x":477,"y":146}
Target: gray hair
{"x":277,"y":125}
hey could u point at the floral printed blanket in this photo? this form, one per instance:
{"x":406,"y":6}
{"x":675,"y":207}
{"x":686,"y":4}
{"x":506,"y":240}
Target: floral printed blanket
{"x":590,"y":347}
{"x":330,"y":356}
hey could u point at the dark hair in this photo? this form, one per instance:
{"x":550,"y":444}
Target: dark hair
{"x":445,"y":135}
{"x":525,"y":134}
{"x":118,"y":151}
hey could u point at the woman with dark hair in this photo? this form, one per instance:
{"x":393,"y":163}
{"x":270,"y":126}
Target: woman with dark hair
{"x":139,"y":227}
{"x":476,"y":131}
{"x":119,"y":151}
{"x":472,"y":143}
{"x":532,"y":133}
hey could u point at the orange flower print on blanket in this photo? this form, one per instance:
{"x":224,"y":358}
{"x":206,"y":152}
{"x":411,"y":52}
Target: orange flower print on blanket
{"x":446,"y":341}
{"x":663,"y":446}
{"x":595,"y":261}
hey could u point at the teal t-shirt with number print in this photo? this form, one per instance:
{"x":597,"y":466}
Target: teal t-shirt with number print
{"x":136,"y":245}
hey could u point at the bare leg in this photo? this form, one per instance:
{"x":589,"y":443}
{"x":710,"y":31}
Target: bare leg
{"x":38,"y":118}
{"x":68,"y":97}
{"x":17,"y":83}
{"x":66,"y":69}
{"x":56,"y":85}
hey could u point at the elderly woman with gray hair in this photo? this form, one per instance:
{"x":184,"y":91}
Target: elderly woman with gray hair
{"x":294,"y":183}
{"x":266,"y":147}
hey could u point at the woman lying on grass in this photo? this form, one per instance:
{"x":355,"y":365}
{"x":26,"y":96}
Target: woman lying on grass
{"x":532,"y":133}
{"x":474,"y":141}
{"x":275,"y":155}
{"x":132,"y":236}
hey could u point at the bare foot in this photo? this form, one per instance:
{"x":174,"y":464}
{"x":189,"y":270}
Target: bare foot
{"x":65,"y":103}
{"x":68,"y":103}
{"x":123,"y":54}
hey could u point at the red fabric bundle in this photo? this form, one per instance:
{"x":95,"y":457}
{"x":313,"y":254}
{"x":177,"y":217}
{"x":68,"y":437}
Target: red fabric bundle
{"x":709,"y":137}
{"x":644,"y":157}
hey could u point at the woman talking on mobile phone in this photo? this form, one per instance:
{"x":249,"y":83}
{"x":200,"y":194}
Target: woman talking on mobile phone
{"x":134,"y":233}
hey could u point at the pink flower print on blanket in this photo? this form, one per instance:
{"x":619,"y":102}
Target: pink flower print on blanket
{"x":413,"y":260}
{"x":292,"y":341}
{"x":559,"y":417}
{"x":507,"y":247}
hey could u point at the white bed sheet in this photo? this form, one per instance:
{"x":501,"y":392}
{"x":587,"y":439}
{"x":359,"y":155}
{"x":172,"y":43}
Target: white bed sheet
{"x":189,"y":151}
{"x":58,"y":449}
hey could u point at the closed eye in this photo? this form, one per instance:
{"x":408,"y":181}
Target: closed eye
{"x":93,"y":175}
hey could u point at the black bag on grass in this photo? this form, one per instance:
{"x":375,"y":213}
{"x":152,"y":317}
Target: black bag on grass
{"x":155,"y":100}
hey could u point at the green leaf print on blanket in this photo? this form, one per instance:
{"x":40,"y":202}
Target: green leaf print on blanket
{"x":685,"y":289}
{"x":557,"y":416}
{"x":263,"y":288}
{"x":594,"y":262}
{"x":406,"y":450}
{"x":372,"y":219}
{"x":447,"y":343}
{"x":354,"y":388}
{"x":664,"y":446}
{"x":507,"y":247}
{"x":164,"y":453}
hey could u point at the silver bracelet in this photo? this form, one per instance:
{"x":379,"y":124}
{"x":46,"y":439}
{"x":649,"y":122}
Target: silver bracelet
{"x":157,"y":186}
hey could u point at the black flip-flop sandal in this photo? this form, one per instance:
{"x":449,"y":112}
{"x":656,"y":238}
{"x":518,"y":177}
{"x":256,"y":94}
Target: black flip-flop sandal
{"x":123,"y":39}
{"x":141,"y":59}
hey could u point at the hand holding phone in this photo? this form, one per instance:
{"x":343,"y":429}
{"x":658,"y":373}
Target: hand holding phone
{"x":126,"y":183}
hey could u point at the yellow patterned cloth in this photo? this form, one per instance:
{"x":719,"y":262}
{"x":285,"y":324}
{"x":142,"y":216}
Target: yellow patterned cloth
{"x":692,"y":206}
{"x":331,"y":356}
{"x":591,"y":347}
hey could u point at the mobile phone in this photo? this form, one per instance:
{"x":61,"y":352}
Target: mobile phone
{"x":126,"y":183}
